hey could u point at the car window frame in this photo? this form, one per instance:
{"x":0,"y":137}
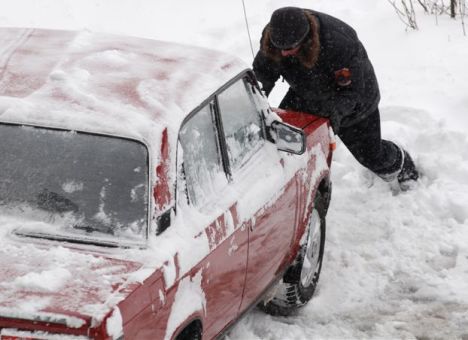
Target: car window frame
{"x":249,"y":79}
{"x":247,"y":82}
{"x":210,"y":105}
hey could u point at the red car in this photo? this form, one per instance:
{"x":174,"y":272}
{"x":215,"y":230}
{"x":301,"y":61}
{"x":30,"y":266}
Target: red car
{"x":147,"y":190}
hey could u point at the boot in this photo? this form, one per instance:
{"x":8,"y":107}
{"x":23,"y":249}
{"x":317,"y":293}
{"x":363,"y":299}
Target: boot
{"x":408,"y":173}
{"x":392,"y":176}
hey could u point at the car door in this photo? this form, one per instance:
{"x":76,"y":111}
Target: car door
{"x":210,"y":212}
{"x":267,"y":195}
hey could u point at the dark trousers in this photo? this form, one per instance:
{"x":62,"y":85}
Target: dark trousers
{"x":363,"y":139}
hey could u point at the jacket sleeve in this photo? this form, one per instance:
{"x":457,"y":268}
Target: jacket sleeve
{"x":266,"y":71}
{"x":346,"y":99}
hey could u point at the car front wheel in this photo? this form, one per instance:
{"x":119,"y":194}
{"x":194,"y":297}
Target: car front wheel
{"x":299,"y":282}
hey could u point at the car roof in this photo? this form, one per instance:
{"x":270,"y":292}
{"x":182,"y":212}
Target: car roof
{"x":105,"y":83}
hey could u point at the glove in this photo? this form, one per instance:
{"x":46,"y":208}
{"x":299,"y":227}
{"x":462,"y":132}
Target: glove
{"x":335,"y":121}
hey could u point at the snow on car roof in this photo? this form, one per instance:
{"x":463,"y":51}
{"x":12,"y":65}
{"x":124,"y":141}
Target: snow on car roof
{"x":104,"y":83}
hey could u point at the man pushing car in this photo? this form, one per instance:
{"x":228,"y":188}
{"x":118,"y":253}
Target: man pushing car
{"x":329,"y":74}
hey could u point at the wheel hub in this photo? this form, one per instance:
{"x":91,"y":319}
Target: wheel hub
{"x":311,"y":261}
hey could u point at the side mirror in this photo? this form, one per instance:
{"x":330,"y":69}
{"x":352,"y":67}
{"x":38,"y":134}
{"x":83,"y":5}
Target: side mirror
{"x":289,"y":138}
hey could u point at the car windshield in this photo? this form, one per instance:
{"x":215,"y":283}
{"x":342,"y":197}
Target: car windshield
{"x":73,"y":186}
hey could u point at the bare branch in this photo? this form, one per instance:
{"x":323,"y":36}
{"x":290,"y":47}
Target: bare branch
{"x":423,"y":5}
{"x":462,"y":9}
{"x":405,"y":14}
{"x":453,"y":8}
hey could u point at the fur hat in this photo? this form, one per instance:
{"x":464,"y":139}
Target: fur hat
{"x":309,"y":53}
{"x":289,"y":27}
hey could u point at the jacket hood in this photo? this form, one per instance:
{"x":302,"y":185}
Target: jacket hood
{"x":309,"y":53}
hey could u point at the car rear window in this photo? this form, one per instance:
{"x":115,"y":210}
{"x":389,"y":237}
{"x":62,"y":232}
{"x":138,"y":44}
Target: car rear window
{"x":72,"y":185}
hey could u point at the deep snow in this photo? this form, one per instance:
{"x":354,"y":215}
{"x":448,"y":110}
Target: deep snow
{"x":396,"y":264}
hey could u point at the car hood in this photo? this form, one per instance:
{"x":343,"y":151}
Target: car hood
{"x":52,"y":283}
{"x":297,"y":119}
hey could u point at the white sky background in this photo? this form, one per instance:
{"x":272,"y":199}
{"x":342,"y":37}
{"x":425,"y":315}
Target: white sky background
{"x":396,"y":266}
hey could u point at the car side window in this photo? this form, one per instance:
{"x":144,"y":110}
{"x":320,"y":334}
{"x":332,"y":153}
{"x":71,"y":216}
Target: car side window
{"x":202,"y":165}
{"x":242,"y":122}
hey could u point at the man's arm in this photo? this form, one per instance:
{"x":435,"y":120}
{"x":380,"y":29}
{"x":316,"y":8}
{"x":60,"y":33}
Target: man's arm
{"x":266,"y":71}
{"x":349,"y":73}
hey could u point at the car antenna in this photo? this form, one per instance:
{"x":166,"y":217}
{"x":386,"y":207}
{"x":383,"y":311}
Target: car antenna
{"x":248,"y":29}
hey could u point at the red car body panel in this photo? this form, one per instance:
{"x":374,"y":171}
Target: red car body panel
{"x":87,"y":288}
{"x":243,"y":258}
{"x":269,"y":243}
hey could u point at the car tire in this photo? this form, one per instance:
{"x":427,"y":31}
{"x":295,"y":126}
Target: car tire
{"x":300,"y":280}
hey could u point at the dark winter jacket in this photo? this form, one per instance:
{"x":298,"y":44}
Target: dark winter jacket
{"x":331,"y":74}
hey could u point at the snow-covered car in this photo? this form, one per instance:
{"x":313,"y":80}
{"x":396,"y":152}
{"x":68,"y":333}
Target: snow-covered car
{"x":148,"y":191}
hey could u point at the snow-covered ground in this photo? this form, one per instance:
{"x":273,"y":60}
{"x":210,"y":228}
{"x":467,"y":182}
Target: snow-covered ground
{"x":396,"y":265}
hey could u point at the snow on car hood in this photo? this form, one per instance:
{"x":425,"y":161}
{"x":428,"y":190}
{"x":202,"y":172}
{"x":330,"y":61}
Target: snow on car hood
{"x":49,"y":282}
